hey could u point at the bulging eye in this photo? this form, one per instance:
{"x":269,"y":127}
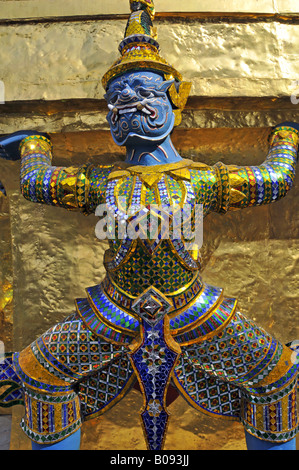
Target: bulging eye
{"x":113,"y":99}
{"x":145,"y":93}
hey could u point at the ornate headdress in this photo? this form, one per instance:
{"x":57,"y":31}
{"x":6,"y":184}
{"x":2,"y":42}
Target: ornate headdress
{"x":140,"y":51}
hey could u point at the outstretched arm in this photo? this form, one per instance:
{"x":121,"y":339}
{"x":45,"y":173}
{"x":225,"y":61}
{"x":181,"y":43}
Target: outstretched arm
{"x":82,"y":188}
{"x":72,"y":188}
{"x":41,"y":182}
{"x":237,"y":187}
{"x":270,"y":181}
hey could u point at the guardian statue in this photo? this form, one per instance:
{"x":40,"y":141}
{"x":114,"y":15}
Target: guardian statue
{"x":153,"y":320}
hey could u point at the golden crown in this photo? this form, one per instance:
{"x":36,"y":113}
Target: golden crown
{"x":140,"y":50}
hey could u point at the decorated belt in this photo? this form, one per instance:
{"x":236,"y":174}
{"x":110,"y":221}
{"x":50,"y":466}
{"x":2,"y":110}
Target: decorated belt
{"x":196,"y":312}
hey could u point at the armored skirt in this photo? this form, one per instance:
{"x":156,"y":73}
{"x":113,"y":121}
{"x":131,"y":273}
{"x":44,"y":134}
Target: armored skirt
{"x":237,"y":371}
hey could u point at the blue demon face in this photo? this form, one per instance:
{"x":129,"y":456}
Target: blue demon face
{"x":139,"y":108}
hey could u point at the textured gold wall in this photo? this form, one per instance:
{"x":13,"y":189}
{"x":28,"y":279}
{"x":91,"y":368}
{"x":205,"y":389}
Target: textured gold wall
{"x":243,"y":69}
{"x":67,"y":59}
{"x":6,"y":276}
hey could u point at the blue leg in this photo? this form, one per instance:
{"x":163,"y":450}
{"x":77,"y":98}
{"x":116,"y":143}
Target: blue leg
{"x":71,"y":442}
{"x":253,"y":443}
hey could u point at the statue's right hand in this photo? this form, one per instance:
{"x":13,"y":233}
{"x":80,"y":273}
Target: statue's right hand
{"x":9,"y":145}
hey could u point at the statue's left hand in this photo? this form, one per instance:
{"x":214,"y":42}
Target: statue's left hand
{"x":9,"y":145}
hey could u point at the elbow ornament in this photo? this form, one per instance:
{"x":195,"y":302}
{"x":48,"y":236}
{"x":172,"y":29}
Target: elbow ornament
{"x":235,"y":182}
